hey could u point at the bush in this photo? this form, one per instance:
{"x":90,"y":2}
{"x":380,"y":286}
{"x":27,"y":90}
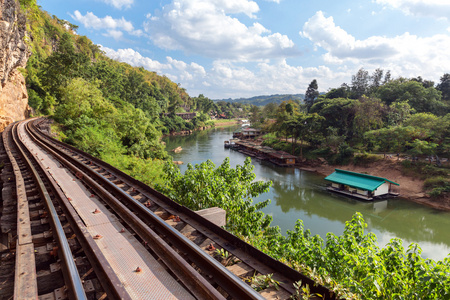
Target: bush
{"x":435,"y":181}
{"x":345,"y":153}
{"x":438,"y":186}
{"x":365,"y":159}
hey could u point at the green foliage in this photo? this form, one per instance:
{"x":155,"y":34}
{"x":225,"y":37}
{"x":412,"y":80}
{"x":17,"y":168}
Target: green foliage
{"x":365,"y":159}
{"x":149,"y":171}
{"x":265,"y":100}
{"x":204,"y":186}
{"x":343,"y":156}
{"x":222,"y":253}
{"x":352,"y":265}
{"x":262,"y":282}
{"x":438,"y":186}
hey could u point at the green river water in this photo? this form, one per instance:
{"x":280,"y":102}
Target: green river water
{"x":298,"y":194}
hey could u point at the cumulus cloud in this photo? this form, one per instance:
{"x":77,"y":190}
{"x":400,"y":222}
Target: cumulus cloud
{"x":246,"y":79}
{"x":340,"y":45}
{"x":176,"y":70}
{"x":113,"y":27}
{"x":119,"y":3}
{"x":211,"y":28}
{"x":135,"y":59}
{"x":423,"y":8}
{"x":406,"y":54}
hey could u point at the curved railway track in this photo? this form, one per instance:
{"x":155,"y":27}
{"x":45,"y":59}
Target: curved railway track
{"x":180,"y":241}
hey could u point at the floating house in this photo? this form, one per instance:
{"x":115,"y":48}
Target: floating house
{"x":249,"y":132}
{"x":248,"y":147}
{"x":362,"y":186}
{"x":282,"y":158}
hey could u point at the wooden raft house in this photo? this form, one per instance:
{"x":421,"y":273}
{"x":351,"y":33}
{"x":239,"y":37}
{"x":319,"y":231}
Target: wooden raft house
{"x":252,"y":149}
{"x":362,"y":186}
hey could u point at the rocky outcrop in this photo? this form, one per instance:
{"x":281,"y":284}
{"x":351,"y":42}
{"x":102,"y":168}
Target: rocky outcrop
{"x":14,"y":53}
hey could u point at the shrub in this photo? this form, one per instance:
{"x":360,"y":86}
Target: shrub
{"x":437,"y":186}
{"x":365,"y":159}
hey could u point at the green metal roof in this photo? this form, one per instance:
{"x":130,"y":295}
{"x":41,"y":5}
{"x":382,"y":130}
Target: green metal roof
{"x":357,"y":180}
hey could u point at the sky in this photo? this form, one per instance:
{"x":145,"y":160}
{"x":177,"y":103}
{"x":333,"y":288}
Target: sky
{"x":243,"y":48}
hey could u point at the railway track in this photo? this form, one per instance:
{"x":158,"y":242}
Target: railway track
{"x":182,"y":243}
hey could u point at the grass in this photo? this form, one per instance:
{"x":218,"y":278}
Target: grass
{"x":224,"y":121}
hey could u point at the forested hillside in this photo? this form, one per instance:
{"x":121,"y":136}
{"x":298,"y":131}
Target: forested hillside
{"x":266,"y":99}
{"x":102,"y":106}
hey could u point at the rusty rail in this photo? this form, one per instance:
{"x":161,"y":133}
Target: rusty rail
{"x":72,"y":278}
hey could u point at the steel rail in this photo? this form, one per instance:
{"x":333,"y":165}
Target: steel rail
{"x":112,"y":285}
{"x":25,"y":281}
{"x":232,"y":284}
{"x":232,"y":242}
{"x":72,"y":277}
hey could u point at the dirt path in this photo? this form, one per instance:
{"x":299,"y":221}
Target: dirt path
{"x":410,"y":188}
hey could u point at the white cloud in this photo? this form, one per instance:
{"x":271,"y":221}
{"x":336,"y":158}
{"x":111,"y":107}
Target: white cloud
{"x":424,"y":8}
{"x":111,"y":25}
{"x":341,"y":45}
{"x":115,"y":34}
{"x":245,"y":79}
{"x":135,"y":59}
{"x":119,"y":3}
{"x":210,"y":28}
{"x":406,"y":55}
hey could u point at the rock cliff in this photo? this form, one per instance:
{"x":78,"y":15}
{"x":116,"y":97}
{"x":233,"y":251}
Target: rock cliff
{"x":14,"y":53}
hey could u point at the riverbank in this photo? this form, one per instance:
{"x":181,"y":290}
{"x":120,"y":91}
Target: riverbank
{"x":222,"y":123}
{"x":411,"y":188}
{"x":217,"y":123}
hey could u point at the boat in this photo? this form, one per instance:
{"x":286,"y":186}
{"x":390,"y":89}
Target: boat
{"x":361,"y":186}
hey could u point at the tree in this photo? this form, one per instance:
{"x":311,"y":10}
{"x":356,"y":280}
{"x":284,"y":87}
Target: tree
{"x":203,"y":104}
{"x":338,"y":113}
{"x":387,"y":77}
{"x":270,"y":110}
{"x":204,"y":185}
{"x":426,"y":83}
{"x":81,"y":97}
{"x":419,"y":98}
{"x":255,"y":115}
{"x":376,"y":79}
{"x":360,"y":83}
{"x":383,"y":138}
{"x":64,"y":64}
{"x":368,"y":115}
{"x":419,"y":147}
{"x":311,"y":94}
{"x":444,"y":86}
{"x":398,"y":112}
{"x":342,"y":92}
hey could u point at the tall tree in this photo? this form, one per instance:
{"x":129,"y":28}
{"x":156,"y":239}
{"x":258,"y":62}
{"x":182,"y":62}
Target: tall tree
{"x":311,"y":94}
{"x":387,"y":77}
{"x":368,"y":115}
{"x":376,"y":79}
{"x":360,"y":83}
{"x":444,"y":86}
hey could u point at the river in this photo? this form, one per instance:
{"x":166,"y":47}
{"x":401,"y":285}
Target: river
{"x":297,"y":194}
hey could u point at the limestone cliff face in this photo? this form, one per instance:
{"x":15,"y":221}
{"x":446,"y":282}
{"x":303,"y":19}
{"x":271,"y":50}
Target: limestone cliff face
{"x":14,"y":53}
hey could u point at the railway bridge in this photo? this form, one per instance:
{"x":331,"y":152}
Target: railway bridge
{"x":74,"y":227}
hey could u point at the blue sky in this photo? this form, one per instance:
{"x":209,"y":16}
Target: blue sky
{"x":244,"y":48}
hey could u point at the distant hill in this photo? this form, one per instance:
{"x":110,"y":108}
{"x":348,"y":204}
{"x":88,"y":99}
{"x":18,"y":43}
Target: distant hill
{"x":263,"y":100}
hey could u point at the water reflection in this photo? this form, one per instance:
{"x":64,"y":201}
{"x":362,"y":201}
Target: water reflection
{"x":302,"y":195}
